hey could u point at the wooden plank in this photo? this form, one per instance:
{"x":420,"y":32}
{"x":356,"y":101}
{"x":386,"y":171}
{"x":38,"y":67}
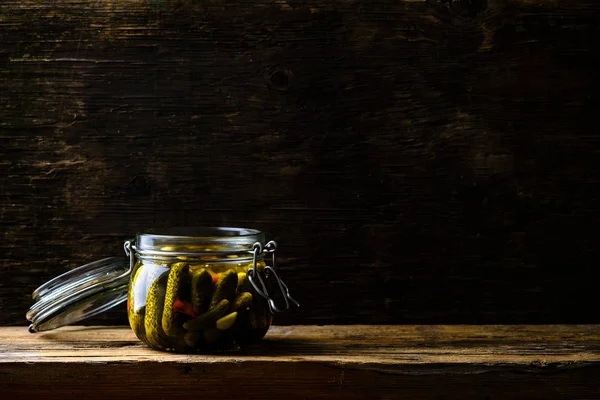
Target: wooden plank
{"x":417,"y":161}
{"x":420,"y":362}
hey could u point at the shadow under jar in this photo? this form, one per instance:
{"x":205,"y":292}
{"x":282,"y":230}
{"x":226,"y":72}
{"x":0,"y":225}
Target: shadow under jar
{"x":192,"y":290}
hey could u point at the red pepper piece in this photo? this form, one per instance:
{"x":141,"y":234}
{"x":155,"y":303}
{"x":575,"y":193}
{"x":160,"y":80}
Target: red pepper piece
{"x":184,"y":308}
{"x":215,"y":277}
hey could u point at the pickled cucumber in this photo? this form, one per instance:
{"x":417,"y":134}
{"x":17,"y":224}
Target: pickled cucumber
{"x":225,"y":287}
{"x":242,"y":302}
{"x":208,"y":318}
{"x":243,"y":283}
{"x":201,"y":290}
{"x":136,"y":321}
{"x":130,"y":299}
{"x":136,"y":317}
{"x":146,"y":275}
{"x":175,"y":289}
{"x":154,"y":308}
{"x":227,"y":321}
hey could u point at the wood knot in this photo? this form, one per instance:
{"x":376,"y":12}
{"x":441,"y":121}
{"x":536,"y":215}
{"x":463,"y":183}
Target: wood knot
{"x":280,"y":79}
{"x":140,"y":186}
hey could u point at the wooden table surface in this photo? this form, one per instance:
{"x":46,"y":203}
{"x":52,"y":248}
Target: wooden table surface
{"x":350,"y":361}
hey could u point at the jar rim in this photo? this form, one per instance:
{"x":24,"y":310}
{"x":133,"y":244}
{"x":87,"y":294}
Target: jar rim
{"x":233,"y":238}
{"x":203,"y":232}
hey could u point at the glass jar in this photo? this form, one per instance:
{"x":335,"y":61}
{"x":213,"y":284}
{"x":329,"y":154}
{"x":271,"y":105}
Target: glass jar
{"x":188,"y":290}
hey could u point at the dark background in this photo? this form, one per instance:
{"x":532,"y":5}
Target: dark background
{"x":417,"y":161}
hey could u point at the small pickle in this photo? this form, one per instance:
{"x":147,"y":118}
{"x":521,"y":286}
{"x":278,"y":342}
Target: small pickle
{"x":130,"y":299}
{"x":175,"y":290}
{"x":136,"y":317}
{"x":154,"y":308}
{"x":227,"y":321}
{"x":136,"y":321}
{"x":243,"y":283}
{"x":242,"y":302}
{"x":201,"y":290}
{"x":225,"y":287}
{"x":208,"y":318}
{"x":146,"y":275}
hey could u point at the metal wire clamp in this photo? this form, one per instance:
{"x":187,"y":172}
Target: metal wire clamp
{"x":261,"y":287}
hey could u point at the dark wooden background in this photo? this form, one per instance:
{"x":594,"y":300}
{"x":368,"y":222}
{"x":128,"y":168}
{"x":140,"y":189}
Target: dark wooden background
{"x":419,"y":161}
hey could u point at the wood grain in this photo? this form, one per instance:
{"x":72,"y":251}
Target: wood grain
{"x":420,"y":362}
{"x":417,"y":161}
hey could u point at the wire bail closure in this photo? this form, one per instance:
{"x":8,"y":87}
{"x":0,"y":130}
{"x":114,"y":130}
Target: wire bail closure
{"x":253,"y":272}
{"x":129,"y":248}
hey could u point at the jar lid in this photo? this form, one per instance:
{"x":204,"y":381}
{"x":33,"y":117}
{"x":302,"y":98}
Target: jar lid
{"x":79,"y":294}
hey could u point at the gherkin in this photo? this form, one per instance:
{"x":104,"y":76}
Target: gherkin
{"x":136,"y":317}
{"x":242,"y":302}
{"x":130,"y":299}
{"x":136,"y":321}
{"x":225,"y":287}
{"x":209,"y":318}
{"x":201,"y":290}
{"x":192,"y":339}
{"x":243,"y":283}
{"x":176,"y":286}
{"x":154,"y":308}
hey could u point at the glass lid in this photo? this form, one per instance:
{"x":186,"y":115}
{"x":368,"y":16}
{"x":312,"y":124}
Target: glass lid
{"x":79,"y":294}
